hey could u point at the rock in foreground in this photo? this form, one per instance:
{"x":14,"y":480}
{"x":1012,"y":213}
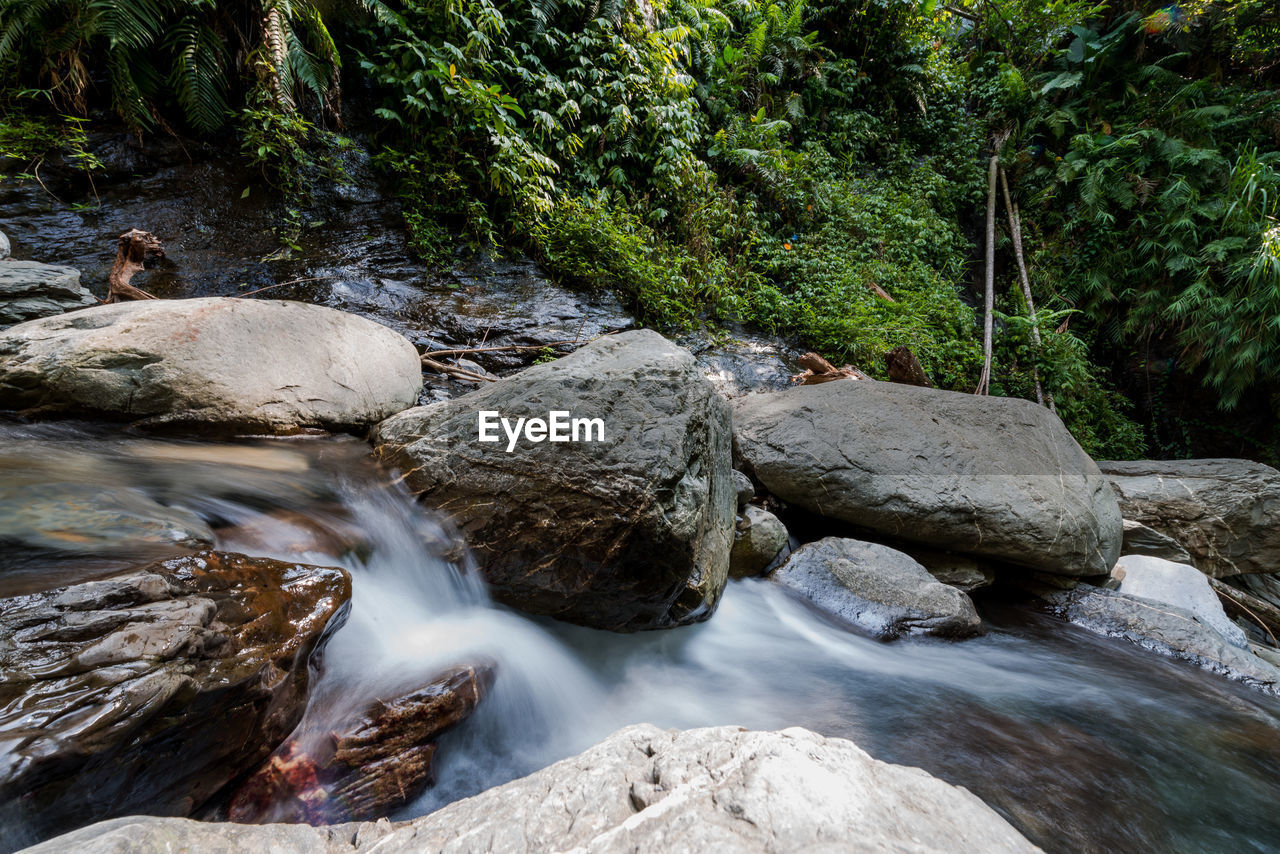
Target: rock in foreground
{"x":153,"y":690}
{"x":720,"y":789}
{"x":30,"y":290}
{"x":989,"y":476}
{"x":219,"y":364}
{"x":879,"y":590}
{"x":628,"y":532}
{"x":1225,"y":513}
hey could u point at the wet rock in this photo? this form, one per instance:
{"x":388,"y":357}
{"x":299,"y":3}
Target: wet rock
{"x":1142,"y":540}
{"x":95,"y":520}
{"x":642,"y":789}
{"x":1177,"y":584}
{"x":1161,"y":628}
{"x":744,"y":364}
{"x":153,"y":690}
{"x":879,"y":590}
{"x":4,"y":246}
{"x":758,"y":537}
{"x":364,"y":767}
{"x":571,"y":529}
{"x":745,"y":488}
{"x":29,"y":290}
{"x":990,"y":476}
{"x":956,"y":570}
{"x":1225,"y":513}
{"x":227,"y":365}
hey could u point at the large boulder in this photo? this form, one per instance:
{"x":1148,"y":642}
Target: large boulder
{"x":219,"y":364}
{"x":629,"y":531}
{"x":154,"y":689}
{"x":1162,"y":628}
{"x":1224,"y":512}
{"x":992,"y":476}
{"x":720,"y":789}
{"x":881,"y":591}
{"x":1177,"y":584}
{"x":29,"y":289}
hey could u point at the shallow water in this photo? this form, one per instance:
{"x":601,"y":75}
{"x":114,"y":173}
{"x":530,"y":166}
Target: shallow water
{"x":1084,"y":743}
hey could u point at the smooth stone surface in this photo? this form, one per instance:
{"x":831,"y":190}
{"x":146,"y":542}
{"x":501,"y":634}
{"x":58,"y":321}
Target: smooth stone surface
{"x":990,"y":476}
{"x":881,"y":591}
{"x":1177,"y":584}
{"x":955,"y":570}
{"x":1224,"y":512}
{"x":153,"y":690}
{"x":95,"y":520}
{"x":4,"y":246}
{"x":757,"y":539}
{"x":629,"y":533}
{"x":1140,"y":539}
{"x":1161,"y":628}
{"x":30,"y":290}
{"x":745,"y":488}
{"x":221,"y":364}
{"x":720,"y":789}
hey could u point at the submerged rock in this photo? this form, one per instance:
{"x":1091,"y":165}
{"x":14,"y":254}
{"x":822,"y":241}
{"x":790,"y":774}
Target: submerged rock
{"x":30,"y":290}
{"x":879,"y":590}
{"x":152,"y":690}
{"x":990,"y":476}
{"x":95,"y":520}
{"x":720,"y":789}
{"x":1177,"y":584}
{"x":1162,"y":628}
{"x":630,"y":530}
{"x":758,"y":537}
{"x":362,"y":767}
{"x":221,"y":364}
{"x":1224,"y":512}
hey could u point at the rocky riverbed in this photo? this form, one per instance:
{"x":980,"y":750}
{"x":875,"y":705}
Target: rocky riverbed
{"x":270,"y":573}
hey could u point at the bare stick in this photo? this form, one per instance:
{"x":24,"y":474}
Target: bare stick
{"x":984,"y":382}
{"x":456,"y":372}
{"x":1015,"y":230}
{"x":283,"y":284}
{"x":509,"y":348}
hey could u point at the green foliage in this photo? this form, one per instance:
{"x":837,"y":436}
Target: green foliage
{"x":26,"y":141}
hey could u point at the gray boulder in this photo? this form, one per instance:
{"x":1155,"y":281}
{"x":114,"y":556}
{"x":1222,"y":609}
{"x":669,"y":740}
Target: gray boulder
{"x":1140,"y":539}
{"x":29,"y":289}
{"x":745,"y":488}
{"x":626,"y":531}
{"x":1224,"y":512}
{"x":720,"y":789}
{"x":957,"y":570}
{"x":1177,"y":584}
{"x":879,"y":590}
{"x":758,"y":537}
{"x":154,"y":689}
{"x":1161,"y":628}
{"x":220,"y":364}
{"x":990,"y":476}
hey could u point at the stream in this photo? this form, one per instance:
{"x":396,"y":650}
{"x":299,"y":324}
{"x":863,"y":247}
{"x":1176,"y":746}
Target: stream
{"x":1083,"y":743}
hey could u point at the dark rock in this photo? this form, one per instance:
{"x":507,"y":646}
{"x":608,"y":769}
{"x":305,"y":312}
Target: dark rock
{"x":956,"y":570}
{"x":1224,"y":512}
{"x":29,"y":290}
{"x":632,"y":532}
{"x":1161,"y":628}
{"x":746,"y":489}
{"x":757,"y":539}
{"x":152,"y":690}
{"x":1142,"y":540}
{"x":743,"y":364}
{"x":219,"y":364}
{"x":365,"y":767}
{"x":990,"y":476}
{"x":879,"y":590}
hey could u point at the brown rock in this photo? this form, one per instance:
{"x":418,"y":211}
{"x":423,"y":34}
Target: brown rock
{"x":369,"y":766}
{"x":152,"y":690}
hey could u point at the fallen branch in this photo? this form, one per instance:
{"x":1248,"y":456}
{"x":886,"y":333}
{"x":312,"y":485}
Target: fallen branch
{"x":282,"y":285}
{"x":507,"y":348}
{"x":819,"y":370}
{"x":456,"y":372}
{"x":1263,"y":613}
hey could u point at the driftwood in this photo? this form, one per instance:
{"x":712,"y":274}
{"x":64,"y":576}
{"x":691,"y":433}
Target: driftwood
{"x":133,"y":250}
{"x":819,"y":370}
{"x":456,"y":372}
{"x":905,"y":368}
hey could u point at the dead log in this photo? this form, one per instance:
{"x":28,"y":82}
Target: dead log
{"x":134,"y":250}
{"x":905,"y":368}
{"x":819,"y":370}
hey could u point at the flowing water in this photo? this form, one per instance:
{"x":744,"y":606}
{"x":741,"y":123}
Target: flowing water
{"x":1084,"y":743}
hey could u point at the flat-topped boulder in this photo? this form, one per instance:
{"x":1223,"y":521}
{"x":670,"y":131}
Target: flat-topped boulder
{"x":154,"y":689}
{"x":214,"y":364}
{"x":623,"y":523}
{"x":992,"y":476}
{"x":29,"y":290}
{"x":1224,"y":512}
{"x":720,"y":789}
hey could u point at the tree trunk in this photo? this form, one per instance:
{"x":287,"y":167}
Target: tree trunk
{"x":1015,"y":231}
{"x":984,"y":382}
